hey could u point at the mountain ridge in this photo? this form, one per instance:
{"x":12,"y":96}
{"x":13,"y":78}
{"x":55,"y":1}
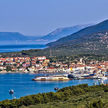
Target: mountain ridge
{"x":100,"y":27}
{"x":63,"y":31}
{"x":13,"y":37}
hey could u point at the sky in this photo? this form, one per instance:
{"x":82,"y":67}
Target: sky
{"x":40,"y":17}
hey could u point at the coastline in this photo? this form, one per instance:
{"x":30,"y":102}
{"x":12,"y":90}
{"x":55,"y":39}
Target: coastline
{"x":20,"y":47}
{"x":31,"y":72}
{"x":23,"y":85}
{"x":80,"y":93}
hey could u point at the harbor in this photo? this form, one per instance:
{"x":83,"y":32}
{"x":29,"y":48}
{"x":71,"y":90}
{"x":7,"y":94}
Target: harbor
{"x":23,"y":85}
{"x":32,"y":75}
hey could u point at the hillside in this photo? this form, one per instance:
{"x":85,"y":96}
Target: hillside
{"x":101,"y":27}
{"x":96,"y":44}
{"x":90,"y":40}
{"x":62,"y":32}
{"x":80,"y":96}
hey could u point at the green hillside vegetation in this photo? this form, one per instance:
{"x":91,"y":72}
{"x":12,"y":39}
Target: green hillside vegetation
{"x":92,"y":40}
{"x":96,"y":44}
{"x":80,"y":96}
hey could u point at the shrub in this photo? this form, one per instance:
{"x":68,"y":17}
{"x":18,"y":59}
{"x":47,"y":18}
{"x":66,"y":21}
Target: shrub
{"x":96,"y":104}
{"x":61,"y":95}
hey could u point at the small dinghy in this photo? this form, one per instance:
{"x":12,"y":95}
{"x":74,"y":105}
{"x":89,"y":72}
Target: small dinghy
{"x":11,"y":91}
{"x":56,"y":88}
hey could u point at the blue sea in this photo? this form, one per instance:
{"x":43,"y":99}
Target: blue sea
{"x":23,"y":85}
{"x":15,"y":48}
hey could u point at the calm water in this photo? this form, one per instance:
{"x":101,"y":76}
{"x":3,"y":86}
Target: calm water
{"x":23,"y":85}
{"x":15,"y":48}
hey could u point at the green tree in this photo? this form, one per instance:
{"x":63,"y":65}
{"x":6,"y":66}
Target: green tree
{"x":8,"y":68}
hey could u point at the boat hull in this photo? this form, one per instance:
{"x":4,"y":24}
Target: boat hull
{"x":52,"y":79}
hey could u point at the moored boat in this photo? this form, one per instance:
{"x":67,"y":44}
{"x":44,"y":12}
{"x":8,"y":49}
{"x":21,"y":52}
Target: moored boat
{"x":52,"y":78}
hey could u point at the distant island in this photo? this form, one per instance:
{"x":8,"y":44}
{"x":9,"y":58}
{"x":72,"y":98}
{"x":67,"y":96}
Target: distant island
{"x":18,"y":38}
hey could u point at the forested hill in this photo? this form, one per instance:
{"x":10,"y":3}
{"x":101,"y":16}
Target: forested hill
{"x":96,"y":44}
{"x":80,"y":96}
{"x":101,"y":27}
{"x":91,"y":40}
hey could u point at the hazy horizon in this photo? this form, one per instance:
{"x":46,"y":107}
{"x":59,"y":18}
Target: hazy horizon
{"x":38,"y":17}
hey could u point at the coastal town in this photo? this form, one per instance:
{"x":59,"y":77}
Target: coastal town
{"x":79,"y":69}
